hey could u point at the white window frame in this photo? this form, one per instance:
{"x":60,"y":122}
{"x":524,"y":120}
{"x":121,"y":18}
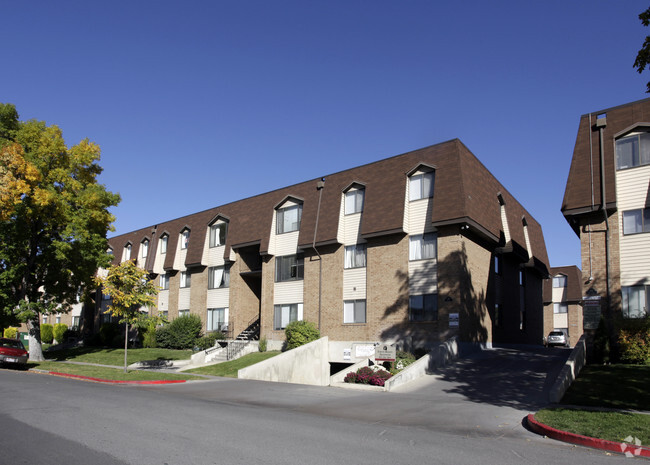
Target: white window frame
{"x":127,"y":252}
{"x":289,"y":268}
{"x":284,"y":314}
{"x":218,"y":232}
{"x":185,"y":239}
{"x":423,"y":246}
{"x":164,"y":281}
{"x":144,"y":247}
{"x":220,"y":323}
{"x":559,"y":281}
{"x":560,"y":308}
{"x":354,"y":311}
{"x":640,"y":151}
{"x":421,"y":186}
{"x":163,"y":244}
{"x":282,"y":227}
{"x":355,"y":256}
{"x":219,"y":275}
{"x":186,"y":279}
{"x":354,"y":200}
{"x":635,"y":301}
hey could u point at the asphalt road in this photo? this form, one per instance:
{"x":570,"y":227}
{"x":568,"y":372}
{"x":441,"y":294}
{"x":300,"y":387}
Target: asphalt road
{"x":470,"y":413}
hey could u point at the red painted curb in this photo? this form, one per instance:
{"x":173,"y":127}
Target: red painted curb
{"x":629,"y":450}
{"x":109,"y":381}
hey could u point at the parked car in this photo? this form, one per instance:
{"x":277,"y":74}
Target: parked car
{"x":557,"y":338}
{"x":12,"y":352}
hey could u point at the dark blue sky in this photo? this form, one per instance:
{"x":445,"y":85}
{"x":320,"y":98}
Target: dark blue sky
{"x":196,"y":104}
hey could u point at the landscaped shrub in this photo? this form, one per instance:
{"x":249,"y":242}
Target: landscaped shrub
{"x":634,"y":339}
{"x":149,"y":338}
{"x":300,"y":333}
{"x":47,"y":334}
{"x":375,"y":376}
{"x":601,"y":343}
{"x":262,"y":345}
{"x":58,"y":331}
{"x":209,"y":340}
{"x":10,"y":333}
{"x":182,"y":333}
{"x":70,"y":334}
{"x":109,"y":333}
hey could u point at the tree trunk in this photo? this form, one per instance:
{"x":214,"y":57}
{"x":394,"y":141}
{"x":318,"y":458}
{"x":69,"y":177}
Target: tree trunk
{"x":35,"y":349}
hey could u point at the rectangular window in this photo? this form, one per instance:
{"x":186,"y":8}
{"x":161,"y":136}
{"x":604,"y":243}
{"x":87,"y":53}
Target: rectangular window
{"x":421,"y":186}
{"x":58,"y":319}
{"x":559,"y":281}
{"x":522,"y":278}
{"x":145,"y":248}
{"x":218,"y":234}
{"x":186,"y":279}
{"x":355,"y":256}
{"x":285,"y":314}
{"x":635,"y":302}
{"x":636,"y":221}
{"x":354,"y":311}
{"x":44,"y":319}
{"x":560,"y":308}
{"x":497,"y":264}
{"x":127,"y":252}
{"x":76,"y":320}
{"x":288,"y":219}
{"x":422,"y":246}
{"x":289,"y":268}
{"x":185,"y":239}
{"x":164,"y":281}
{"x":633,"y":151}
{"x":423,"y":307}
{"x":163,"y":244}
{"x":354,"y":201}
{"x":185,"y":312}
{"x":216,"y":319}
{"x":218,"y":277}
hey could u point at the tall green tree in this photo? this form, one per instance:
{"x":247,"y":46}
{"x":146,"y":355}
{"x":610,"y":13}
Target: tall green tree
{"x":54,"y":217}
{"x":643,"y":56}
{"x":130,"y":289}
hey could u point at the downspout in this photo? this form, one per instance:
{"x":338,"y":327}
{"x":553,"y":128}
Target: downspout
{"x":600,"y":124}
{"x":319,"y":186}
{"x":591,"y":170}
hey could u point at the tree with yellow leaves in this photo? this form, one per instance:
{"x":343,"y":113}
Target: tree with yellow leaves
{"x":53,"y":220}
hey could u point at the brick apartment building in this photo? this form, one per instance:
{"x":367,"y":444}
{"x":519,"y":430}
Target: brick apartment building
{"x":563,"y":302}
{"x":607,"y":203}
{"x":412,"y":249}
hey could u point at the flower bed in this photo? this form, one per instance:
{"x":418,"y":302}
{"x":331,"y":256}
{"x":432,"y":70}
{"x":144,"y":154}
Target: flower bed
{"x":375,"y":376}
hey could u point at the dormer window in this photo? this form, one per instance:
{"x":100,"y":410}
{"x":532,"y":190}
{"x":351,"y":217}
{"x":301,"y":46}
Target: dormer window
{"x":127,"y":252}
{"x":421,"y":185}
{"x":163,"y":244}
{"x":354,"y":201}
{"x":559,"y":281}
{"x":144,"y":247}
{"x":633,"y":150}
{"x":218,"y":234}
{"x":288,"y":219}
{"x":185,"y":238}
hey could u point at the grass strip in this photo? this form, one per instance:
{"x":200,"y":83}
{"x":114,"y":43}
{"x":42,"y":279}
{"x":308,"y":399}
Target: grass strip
{"x":108,"y":373}
{"x":105,"y":356}
{"x":613,"y":426}
{"x":229,"y":369}
{"x":614,"y":386}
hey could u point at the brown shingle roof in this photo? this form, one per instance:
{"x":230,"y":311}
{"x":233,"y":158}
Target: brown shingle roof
{"x":464,"y":192}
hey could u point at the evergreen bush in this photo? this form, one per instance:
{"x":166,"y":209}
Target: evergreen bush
{"x":299,"y":333}
{"x":47,"y":333}
{"x":182,"y":333}
{"x":634,"y":340}
{"x":58,"y":332}
{"x":11,"y":333}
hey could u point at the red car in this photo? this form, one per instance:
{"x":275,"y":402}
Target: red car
{"x":12,"y":352}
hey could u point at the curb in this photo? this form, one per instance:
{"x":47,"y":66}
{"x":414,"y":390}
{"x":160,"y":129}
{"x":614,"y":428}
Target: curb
{"x":630,"y":450}
{"x":109,"y":381}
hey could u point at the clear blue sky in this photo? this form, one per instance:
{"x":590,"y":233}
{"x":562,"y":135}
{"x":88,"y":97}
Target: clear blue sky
{"x":196,"y":104}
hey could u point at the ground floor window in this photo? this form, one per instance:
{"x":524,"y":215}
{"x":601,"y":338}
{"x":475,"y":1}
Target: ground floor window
{"x":423,"y":307}
{"x":76,"y":320}
{"x":216,"y":319}
{"x":635,"y":302}
{"x":285,"y":314}
{"x":354,"y":311}
{"x":183,"y":312}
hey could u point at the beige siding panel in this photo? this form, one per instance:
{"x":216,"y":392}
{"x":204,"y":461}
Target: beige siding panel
{"x":560,"y":320}
{"x":159,"y":260}
{"x":407,"y":210}
{"x":184,"y":298}
{"x":423,"y":276}
{"x":354,"y":283}
{"x":288,"y":292}
{"x":420,"y":212}
{"x":179,"y":259}
{"x":504,"y":224}
{"x":351,"y":229}
{"x":214,"y":255}
{"x":559,"y":294}
{"x":632,"y":191}
{"x":218,"y":298}
{"x":286,"y":244}
{"x":163,"y":301}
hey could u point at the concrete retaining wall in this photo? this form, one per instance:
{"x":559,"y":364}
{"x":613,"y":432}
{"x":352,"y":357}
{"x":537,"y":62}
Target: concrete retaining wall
{"x":570,"y":371}
{"x":306,"y":364}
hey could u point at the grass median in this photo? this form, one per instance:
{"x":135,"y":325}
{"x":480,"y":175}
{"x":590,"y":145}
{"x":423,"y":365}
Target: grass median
{"x":108,"y":373}
{"x":623,"y":387}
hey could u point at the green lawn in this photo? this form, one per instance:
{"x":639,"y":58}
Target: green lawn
{"x":614,"y":386}
{"x":115,"y":356}
{"x":611,"y":386}
{"x":229,"y":369}
{"x":106,"y":372}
